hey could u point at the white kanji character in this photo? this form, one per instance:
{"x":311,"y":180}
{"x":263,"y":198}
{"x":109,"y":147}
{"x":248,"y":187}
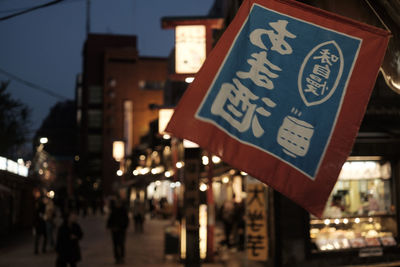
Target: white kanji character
{"x":277,"y":38}
{"x":258,"y":68}
{"x":322,"y":71}
{"x":315,"y":78}
{"x":311,"y":89}
{"x":255,"y":126}
{"x":313,"y":84}
{"x":233,"y":103}
{"x":327,"y":57}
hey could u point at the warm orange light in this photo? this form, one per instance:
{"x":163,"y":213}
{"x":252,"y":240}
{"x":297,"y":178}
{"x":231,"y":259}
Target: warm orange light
{"x":118,"y":150}
{"x":164,"y":115}
{"x":190,"y":48}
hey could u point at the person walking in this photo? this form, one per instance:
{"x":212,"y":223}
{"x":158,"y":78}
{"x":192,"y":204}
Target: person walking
{"x":39,"y":226}
{"x":227,"y":215}
{"x":240,"y":223}
{"x":139,"y":211}
{"x":117,"y":223}
{"x":49,"y":217}
{"x":67,"y":245}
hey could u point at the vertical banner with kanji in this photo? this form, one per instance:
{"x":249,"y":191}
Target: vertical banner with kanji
{"x":191,"y":206}
{"x":282,"y":96}
{"x":256,"y":222}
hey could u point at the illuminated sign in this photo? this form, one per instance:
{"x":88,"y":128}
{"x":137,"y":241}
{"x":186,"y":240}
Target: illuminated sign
{"x":354,"y":170}
{"x":203,"y":230}
{"x":13,"y":167}
{"x":190,"y":48}
{"x":164,"y":115}
{"x":118,"y":150}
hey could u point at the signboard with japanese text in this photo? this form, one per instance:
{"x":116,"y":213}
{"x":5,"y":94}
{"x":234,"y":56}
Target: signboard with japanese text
{"x":256,"y":222}
{"x":282,"y":96}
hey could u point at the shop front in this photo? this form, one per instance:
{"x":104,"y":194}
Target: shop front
{"x":359,"y":225}
{"x":360,"y":215}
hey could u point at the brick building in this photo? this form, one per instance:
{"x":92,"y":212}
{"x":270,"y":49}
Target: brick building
{"x":113,"y":98}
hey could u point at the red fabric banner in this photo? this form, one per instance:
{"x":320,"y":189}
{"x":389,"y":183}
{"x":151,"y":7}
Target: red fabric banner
{"x":282,"y":96}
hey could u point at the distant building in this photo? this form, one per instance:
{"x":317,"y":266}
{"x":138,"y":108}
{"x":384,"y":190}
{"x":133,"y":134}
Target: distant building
{"x":113,"y":99}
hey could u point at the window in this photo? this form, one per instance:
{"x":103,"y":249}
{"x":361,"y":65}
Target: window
{"x":79,"y":96}
{"x":151,"y":85}
{"x":95,"y":119}
{"x":94,"y":164}
{"x":95,"y":94}
{"x":79,"y":116}
{"x":94,"y":143}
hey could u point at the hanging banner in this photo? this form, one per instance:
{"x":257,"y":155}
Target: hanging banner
{"x":256,"y":222}
{"x":282,"y":96}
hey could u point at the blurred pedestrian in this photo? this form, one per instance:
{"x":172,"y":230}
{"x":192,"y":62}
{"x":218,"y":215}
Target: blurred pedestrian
{"x":152,"y":208}
{"x":67,"y":246}
{"x":139,"y":211}
{"x":83,"y":202}
{"x":117,"y":223}
{"x":39,"y":226}
{"x":373,"y":204}
{"x":100,"y":203}
{"x":335,"y":209}
{"x":227,"y":215}
{"x":239,"y":220}
{"x":93,"y":203}
{"x":49,"y":218}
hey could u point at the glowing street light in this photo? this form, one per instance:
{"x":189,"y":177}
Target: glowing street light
{"x":164,"y":115}
{"x":205,"y":160}
{"x":216,"y":159}
{"x":189,"y":79}
{"x":203,"y":187}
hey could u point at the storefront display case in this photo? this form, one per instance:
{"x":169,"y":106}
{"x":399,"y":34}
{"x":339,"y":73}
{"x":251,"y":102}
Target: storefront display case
{"x":360,"y":212}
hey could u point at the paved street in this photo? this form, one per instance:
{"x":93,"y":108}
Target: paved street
{"x":142,"y":250}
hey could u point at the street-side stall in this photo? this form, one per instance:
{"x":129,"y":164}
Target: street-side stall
{"x":360,"y":213}
{"x":359,"y":224}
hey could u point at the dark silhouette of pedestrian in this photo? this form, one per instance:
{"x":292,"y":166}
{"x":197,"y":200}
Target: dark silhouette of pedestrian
{"x":117,"y":223}
{"x":152,"y":208}
{"x":139,"y":211}
{"x":239,"y":219}
{"x":84,"y":206}
{"x":67,"y":245}
{"x":101,"y":205}
{"x":227,"y":215}
{"x":93,"y":202}
{"x":49,"y":218}
{"x":39,"y":226}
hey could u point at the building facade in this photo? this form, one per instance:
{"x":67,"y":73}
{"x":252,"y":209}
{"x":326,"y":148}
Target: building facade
{"x":113,"y":104}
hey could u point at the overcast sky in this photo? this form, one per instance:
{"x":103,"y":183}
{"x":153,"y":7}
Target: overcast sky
{"x":44,"y":46}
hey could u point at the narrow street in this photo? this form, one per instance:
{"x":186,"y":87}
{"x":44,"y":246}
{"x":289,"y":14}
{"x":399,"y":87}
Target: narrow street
{"x":142,"y":249}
